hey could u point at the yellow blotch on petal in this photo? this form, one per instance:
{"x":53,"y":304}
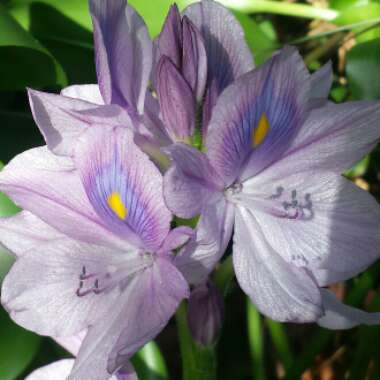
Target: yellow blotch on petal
{"x":261,"y":130}
{"x":117,"y":206}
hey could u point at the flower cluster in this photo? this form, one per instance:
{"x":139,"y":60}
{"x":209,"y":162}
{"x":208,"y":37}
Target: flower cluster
{"x":184,"y":125}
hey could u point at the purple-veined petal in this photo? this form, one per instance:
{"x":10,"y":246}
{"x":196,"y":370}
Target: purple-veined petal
{"x":143,"y":310}
{"x":169,"y":42}
{"x":72,"y":343}
{"x":228,"y":55}
{"x":321,"y":82}
{"x":194,"y":59}
{"x":58,"y":370}
{"x":152,"y":120}
{"x":191,"y":182}
{"x":24,"y":231}
{"x":256,"y":118}
{"x":333,"y":138}
{"x":339,"y":316}
{"x":63,"y":287}
{"x":280,"y":290}
{"x":316,"y":219}
{"x":87,"y":92}
{"x":49,"y":187}
{"x":123,"y":53}
{"x":177,"y":101}
{"x":213,"y":232}
{"x":326,"y":277}
{"x":61,"y":119}
{"x":176,"y":238}
{"x":123,"y":185}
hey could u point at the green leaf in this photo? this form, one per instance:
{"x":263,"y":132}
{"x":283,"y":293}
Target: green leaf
{"x":359,"y":169}
{"x":342,"y":5}
{"x":363,"y":67}
{"x":261,"y":37}
{"x":18,"y":347}
{"x":69,"y":42}
{"x":358,"y":13}
{"x":24,"y":61}
{"x":18,"y":133}
{"x":76,"y":10}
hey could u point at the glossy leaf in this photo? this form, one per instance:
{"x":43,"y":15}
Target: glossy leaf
{"x":24,"y":61}
{"x":363,"y":66}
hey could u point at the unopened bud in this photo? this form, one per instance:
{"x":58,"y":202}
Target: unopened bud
{"x":205,"y":314}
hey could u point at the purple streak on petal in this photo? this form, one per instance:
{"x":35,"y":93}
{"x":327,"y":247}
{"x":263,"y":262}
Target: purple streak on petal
{"x":339,"y":316}
{"x":50,"y":188}
{"x":177,"y":101}
{"x":176,"y":238}
{"x":321,"y":81}
{"x":318,"y":219}
{"x":279,"y":90}
{"x":58,"y":370}
{"x":123,"y":53}
{"x":205,"y":313}
{"x":62,"y":119}
{"x":280,"y":290}
{"x":169,"y":42}
{"x":109,"y":163}
{"x":148,"y":302}
{"x":87,"y":92}
{"x":228,"y":55}
{"x":194,"y":59}
{"x":212,"y":234}
{"x":42,"y":291}
{"x":191,"y":182}
{"x":24,"y":231}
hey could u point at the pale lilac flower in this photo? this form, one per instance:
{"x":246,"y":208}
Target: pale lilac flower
{"x":93,"y":248}
{"x":272,"y":172}
{"x":126,"y":59}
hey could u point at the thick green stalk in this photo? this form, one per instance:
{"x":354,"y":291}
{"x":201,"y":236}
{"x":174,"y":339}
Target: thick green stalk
{"x":281,"y":8}
{"x":198,"y":363}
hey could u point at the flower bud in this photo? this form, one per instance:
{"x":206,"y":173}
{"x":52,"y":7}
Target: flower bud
{"x":205,"y":314}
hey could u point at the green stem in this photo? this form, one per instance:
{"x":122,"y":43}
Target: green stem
{"x":281,"y":8}
{"x":281,"y":343}
{"x":198,"y":363}
{"x":150,"y":364}
{"x":256,"y":341}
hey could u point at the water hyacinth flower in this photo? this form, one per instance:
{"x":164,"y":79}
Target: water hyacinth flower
{"x":196,"y":56}
{"x":93,"y":248}
{"x":275,"y":151}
